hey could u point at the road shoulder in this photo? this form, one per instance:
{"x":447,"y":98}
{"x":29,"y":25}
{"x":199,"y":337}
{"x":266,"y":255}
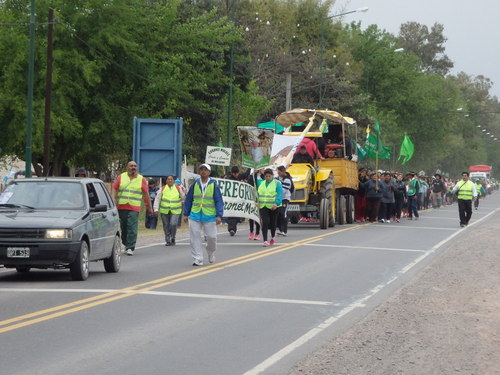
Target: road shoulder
{"x":445,"y":320}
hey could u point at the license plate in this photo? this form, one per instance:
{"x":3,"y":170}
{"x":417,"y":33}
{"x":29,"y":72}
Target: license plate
{"x":18,"y":252}
{"x":293,"y":207}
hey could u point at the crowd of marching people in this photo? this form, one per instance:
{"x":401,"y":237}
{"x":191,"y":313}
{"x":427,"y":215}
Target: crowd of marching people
{"x":382,"y":196}
{"x":390,"y":196}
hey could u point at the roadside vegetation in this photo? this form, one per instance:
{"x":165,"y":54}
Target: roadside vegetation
{"x":114,"y":60}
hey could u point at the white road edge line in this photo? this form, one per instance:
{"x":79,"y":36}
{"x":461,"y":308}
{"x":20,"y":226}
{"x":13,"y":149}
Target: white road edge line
{"x":413,"y":227}
{"x":174,"y":294}
{"x":359,"y":303}
{"x":368,"y":248}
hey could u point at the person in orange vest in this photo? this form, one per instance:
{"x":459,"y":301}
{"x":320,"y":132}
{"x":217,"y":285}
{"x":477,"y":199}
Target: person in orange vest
{"x":127,"y":191}
{"x":168,"y":203}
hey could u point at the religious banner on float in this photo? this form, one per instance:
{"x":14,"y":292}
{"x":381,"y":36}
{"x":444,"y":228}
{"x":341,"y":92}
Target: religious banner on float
{"x":255,"y":146}
{"x":240,"y":199}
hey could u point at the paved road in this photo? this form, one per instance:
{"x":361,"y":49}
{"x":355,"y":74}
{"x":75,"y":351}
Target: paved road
{"x":257,"y":310}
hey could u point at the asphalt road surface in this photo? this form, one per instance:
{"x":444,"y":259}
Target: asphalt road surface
{"x":256,"y":310}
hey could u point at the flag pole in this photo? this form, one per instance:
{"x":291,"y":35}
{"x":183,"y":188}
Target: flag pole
{"x":376,"y":155}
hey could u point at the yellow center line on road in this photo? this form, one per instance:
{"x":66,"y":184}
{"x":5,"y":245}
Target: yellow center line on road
{"x":86,"y":303}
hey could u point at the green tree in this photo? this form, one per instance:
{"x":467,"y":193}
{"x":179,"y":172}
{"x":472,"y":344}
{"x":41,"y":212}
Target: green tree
{"x":426,"y":44}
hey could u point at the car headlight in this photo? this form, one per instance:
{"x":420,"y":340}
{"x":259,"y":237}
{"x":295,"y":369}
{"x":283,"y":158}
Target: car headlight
{"x":58,"y":233}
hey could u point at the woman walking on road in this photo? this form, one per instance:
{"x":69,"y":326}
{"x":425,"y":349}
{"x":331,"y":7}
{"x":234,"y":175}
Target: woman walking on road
{"x":287,"y":183}
{"x":168,"y":203}
{"x":254,"y":225}
{"x":270,"y":195}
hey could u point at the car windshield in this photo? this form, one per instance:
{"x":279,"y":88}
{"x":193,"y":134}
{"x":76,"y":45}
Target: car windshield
{"x":43,"y":195}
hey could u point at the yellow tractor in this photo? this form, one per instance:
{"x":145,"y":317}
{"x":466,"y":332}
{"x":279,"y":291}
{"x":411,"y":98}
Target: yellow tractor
{"x":324,"y":191}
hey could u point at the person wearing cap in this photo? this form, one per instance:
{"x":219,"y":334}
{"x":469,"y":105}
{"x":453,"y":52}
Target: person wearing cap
{"x":270,"y":192}
{"x":151,"y":221}
{"x":203,"y":209}
{"x":466,"y":193}
{"x":81,"y":172}
{"x":127,"y":191}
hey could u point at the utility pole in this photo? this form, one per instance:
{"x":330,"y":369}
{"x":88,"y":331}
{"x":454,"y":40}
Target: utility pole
{"x":232,"y":11}
{"x":288,"y":95}
{"x":48,"y":93}
{"x":31,"y":68}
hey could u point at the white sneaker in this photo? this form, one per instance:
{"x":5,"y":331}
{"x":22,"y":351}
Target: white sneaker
{"x":387,"y":221}
{"x":211,"y":258}
{"x":129,"y":252}
{"x":197,"y":263}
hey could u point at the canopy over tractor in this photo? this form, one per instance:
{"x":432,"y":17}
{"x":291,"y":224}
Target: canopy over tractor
{"x":324,"y":190}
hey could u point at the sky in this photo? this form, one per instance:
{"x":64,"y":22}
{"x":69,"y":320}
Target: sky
{"x":472,"y":28}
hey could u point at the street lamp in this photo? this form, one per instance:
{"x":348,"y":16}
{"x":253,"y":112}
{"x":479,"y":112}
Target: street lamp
{"x":322,"y":48}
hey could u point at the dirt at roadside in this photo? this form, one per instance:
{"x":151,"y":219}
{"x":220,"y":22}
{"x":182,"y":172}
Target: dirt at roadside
{"x":444,"y":321}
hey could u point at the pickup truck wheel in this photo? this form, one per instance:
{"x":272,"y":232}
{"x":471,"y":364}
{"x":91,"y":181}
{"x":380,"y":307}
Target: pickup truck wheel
{"x":80,"y":267}
{"x":112,"y":264}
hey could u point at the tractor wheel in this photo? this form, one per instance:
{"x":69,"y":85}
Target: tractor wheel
{"x":327,"y":191}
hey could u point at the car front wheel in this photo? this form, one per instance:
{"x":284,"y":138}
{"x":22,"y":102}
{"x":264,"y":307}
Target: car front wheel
{"x":112,"y":264}
{"x":80,"y":267}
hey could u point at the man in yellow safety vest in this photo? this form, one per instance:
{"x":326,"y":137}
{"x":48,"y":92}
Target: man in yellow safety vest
{"x":466,"y":193}
{"x":128,"y":190}
{"x":204,"y":209}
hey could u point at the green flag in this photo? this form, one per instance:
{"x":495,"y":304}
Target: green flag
{"x":361,"y":150}
{"x":373,"y":144}
{"x":407,"y":150}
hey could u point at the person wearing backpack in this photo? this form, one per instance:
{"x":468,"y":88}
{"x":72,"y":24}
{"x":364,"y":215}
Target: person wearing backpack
{"x":288,"y":188}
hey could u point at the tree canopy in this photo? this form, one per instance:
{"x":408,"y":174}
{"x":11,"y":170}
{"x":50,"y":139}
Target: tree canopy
{"x":116,"y":60}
